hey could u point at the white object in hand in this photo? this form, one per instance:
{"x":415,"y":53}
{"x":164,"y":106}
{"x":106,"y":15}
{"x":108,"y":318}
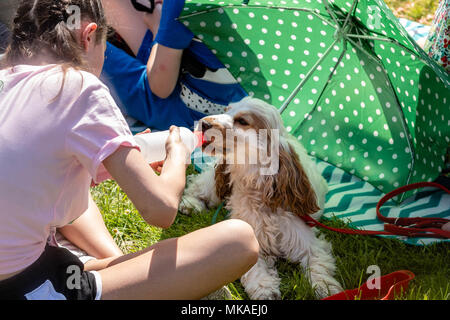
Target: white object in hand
{"x":153,"y":145}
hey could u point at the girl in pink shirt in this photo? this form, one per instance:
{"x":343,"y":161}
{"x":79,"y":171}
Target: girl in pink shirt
{"x":59,"y":130}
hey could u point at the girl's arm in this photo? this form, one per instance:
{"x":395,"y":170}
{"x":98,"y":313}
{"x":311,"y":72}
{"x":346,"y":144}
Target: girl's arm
{"x":155,"y":197}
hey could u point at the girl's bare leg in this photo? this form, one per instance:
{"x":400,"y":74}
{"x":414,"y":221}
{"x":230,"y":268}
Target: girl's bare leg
{"x":126,"y":21}
{"x":90,"y":234}
{"x":189,"y":267}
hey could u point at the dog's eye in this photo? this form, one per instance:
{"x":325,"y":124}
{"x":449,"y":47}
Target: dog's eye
{"x":241,"y":121}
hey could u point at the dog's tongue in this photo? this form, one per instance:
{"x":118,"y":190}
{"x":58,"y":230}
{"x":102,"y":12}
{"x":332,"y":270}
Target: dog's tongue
{"x":200,"y":138}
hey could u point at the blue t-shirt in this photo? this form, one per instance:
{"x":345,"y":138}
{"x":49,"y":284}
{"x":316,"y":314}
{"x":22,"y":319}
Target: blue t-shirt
{"x":192,"y":99}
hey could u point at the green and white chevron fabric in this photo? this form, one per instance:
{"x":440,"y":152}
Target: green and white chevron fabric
{"x":354,"y":201}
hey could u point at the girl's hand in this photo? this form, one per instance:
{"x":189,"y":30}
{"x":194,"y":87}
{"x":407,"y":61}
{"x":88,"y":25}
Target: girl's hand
{"x":157,"y":166}
{"x":175,"y":148}
{"x":144,"y":132}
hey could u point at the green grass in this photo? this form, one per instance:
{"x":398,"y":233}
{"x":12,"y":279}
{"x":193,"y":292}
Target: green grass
{"x":354,"y":254}
{"x":418,"y":10}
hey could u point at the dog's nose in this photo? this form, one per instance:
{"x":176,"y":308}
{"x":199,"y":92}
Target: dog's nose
{"x":206,"y":126}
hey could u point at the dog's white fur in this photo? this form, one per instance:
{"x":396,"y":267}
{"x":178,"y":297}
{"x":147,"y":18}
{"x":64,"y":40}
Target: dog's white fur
{"x":281,"y":234}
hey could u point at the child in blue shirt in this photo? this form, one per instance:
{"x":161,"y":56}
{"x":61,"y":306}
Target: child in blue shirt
{"x":150,"y":87}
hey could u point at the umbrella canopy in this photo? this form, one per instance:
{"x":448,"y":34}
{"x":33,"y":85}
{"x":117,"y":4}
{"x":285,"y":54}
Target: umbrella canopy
{"x":348,"y":80}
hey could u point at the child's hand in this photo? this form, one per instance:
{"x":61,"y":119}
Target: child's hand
{"x":145,"y":131}
{"x":172,"y":33}
{"x":157,"y":166}
{"x":175,"y":148}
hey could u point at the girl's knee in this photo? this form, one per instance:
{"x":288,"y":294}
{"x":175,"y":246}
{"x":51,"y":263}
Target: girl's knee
{"x":242,"y":235}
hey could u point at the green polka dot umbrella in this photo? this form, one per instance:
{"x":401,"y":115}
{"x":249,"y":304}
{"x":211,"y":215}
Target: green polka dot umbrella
{"x":349,"y":82}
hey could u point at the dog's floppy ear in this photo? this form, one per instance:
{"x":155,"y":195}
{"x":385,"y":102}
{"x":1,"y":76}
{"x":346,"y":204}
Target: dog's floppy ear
{"x":290,"y":188}
{"x":222,"y":177}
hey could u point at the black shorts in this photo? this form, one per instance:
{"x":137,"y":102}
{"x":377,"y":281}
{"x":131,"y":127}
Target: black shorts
{"x":56,"y":275}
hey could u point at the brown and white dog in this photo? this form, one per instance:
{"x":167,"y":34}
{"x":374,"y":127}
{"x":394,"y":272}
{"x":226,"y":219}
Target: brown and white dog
{"x":270,"y":191}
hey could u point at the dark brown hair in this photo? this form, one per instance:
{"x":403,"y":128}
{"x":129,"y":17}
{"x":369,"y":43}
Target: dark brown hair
{"x":42,"y":26}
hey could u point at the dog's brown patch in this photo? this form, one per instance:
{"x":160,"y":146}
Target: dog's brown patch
{"x":223,"y":186}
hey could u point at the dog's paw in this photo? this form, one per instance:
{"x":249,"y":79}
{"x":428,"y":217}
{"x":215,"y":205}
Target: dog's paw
{"x":262,"y":283}
{"x":222,"y":294}
{"x":335,"y":288}
{"x":326,"y":289}
{"x":189,"y":205}
{"x":265,"y":294}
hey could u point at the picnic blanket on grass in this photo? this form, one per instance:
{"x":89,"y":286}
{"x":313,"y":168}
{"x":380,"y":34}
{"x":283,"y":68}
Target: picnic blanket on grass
{"x":353,"y":201}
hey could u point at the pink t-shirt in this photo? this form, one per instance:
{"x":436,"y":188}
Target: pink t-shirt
{"x":50,"y":149}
